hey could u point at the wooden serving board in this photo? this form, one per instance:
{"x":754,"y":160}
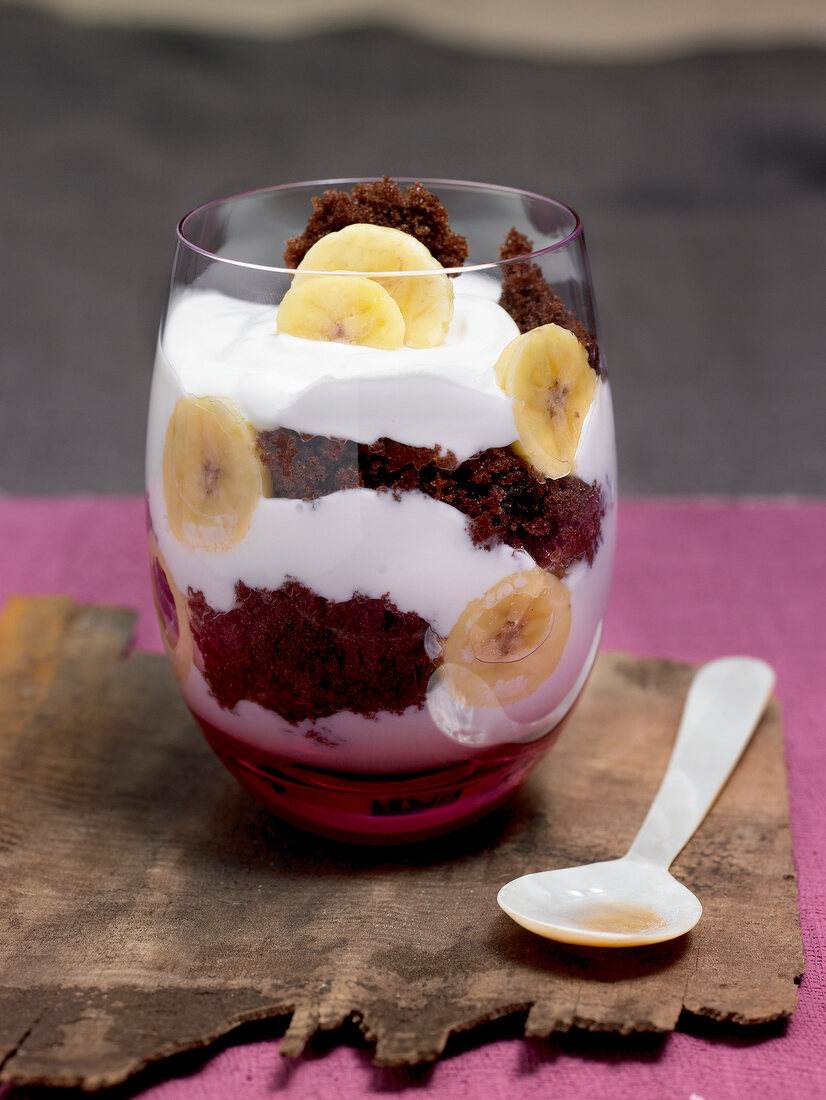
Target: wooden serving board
{"x":148,"y":905}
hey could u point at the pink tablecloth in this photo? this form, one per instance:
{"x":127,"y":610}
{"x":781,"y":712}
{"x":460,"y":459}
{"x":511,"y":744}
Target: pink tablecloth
{"x":694,"y":580}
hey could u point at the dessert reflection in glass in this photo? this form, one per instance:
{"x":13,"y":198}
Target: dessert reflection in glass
{"x":381,"y":487}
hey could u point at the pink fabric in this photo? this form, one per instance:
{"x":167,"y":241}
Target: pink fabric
{"x":694,"y":580}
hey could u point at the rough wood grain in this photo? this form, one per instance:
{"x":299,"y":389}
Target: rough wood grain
{"x":148,"y":906}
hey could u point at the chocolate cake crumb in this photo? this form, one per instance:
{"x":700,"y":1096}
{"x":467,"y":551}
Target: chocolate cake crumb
{"x":383,"y":202}
{"x":305,"y":657}
{"x":556,"y":522}
{"x":304,"y":467}
{"x":531,"y":302}
{"x":395,"y":457}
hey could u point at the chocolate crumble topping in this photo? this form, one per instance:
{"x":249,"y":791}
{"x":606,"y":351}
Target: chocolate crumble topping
{"x":530,"y":300}
{"x":384,"y":202}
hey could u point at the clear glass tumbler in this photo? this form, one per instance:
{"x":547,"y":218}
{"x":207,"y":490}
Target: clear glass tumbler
{"x":381,"y":486}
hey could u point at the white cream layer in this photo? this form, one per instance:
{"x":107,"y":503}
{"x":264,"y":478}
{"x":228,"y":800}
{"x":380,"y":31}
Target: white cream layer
{"x":445,"y":396}
{"x":415,"y":550}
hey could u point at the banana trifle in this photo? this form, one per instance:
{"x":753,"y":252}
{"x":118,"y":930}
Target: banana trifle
{"x":381,"y":515}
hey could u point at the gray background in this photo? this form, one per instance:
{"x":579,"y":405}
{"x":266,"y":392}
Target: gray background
{"x":701,"y":181}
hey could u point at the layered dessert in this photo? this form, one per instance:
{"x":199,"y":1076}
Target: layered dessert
{"x":381,"y":510}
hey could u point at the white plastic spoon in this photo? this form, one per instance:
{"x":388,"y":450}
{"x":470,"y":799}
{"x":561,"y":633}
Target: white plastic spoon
{"x":634,"y":900}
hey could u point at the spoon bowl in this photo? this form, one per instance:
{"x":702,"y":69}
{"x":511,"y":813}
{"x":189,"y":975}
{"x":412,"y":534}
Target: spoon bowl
{"x":633,"y":901}
{"x":617,"y":903}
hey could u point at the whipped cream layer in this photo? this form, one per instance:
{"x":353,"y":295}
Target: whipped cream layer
{"x":444,"y":396}
{"x":415,"y":550}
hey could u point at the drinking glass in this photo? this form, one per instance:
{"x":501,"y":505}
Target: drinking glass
{"x":381,"y":571}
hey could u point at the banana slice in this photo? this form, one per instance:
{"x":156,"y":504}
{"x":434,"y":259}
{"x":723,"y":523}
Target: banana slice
{"x":346,"y":309}
{"x":170,"y":606}
{"x":508,"y":642}
{"x":546,"y":372}
{"x":426,"y":301}
{"x":212,"y":479}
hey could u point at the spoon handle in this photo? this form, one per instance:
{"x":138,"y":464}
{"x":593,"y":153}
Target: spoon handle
{"x":725,"y":702}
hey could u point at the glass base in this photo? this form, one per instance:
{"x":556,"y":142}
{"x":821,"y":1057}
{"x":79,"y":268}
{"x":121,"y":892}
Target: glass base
{"x":379,"y":809}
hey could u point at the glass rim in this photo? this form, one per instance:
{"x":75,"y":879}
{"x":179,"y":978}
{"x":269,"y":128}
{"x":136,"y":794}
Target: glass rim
{"x":326,"y":184}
